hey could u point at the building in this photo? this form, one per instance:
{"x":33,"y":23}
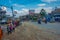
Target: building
{"x":2,"y":16}
{"x":56,"y":14}
{"x":31,"y":12}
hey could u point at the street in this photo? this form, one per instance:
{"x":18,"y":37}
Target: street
{"x":48,"y":26}
{"x":34,"y":31}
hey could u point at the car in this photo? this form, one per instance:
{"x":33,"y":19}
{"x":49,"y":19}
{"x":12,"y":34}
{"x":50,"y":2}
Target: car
{"x":57,"y":18}
{"x":3,"y":22}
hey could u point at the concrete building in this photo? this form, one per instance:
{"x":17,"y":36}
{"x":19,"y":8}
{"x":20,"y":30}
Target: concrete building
{"x":56,"y":14}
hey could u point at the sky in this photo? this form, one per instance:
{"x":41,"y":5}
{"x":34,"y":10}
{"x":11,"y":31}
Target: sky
{"x":22,"y":6}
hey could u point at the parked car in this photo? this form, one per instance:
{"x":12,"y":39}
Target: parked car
{"x":57,"y":18}
{"x":3,"y":22}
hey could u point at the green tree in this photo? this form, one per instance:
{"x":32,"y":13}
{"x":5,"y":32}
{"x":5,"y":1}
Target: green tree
{"x":43,"y":13}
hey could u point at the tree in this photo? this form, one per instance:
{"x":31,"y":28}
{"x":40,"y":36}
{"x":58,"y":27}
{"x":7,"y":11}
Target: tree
{"x":43,"y":13}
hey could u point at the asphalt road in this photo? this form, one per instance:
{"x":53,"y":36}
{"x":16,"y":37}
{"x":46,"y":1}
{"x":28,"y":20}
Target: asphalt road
{"x":48,"y":26}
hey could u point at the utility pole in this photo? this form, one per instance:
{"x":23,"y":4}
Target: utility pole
{"x":12,"y":11}
{"x":12,"y":15}
{"x":10,"y":8}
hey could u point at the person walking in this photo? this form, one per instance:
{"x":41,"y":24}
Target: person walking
{"x":15,"y":23}
{"x":45,"y":20}
{"x":11,"y":28}
{"x":39,"y":21}
{"x":8,"y":30}
{"x":1,"y":33}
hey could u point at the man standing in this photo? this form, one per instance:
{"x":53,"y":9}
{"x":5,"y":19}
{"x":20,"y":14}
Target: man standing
{"x":39,"y":21}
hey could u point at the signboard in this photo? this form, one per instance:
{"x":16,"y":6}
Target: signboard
{"x":31,"y":12}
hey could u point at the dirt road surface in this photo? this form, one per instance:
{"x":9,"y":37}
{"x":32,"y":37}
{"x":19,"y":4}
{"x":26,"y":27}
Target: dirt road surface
{"x":30,"y":32}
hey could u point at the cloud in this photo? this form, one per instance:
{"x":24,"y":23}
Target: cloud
{"x":47,"y":9}
{"x":18,"y":5}
{"x":37,"y":10}
{"x":22,"y":12}
{"x":41,"y":4}
{"x":3,"y":8}
{"x":25,"y":10}
{"x":16,"y":10}
{"x":48,"y":1}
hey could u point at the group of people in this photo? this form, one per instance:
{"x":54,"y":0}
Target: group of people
{"x":44,"y":20}
{"x":10,"y":28}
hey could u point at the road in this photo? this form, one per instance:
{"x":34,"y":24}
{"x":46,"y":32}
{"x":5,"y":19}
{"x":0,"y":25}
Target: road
{"x":48,"y":26}
{"x":34,"y":31}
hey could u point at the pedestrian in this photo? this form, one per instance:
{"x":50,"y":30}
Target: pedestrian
{"x":39,"y":21}
{"x":8,"y":30}
{"x":45,"y":21}
{"x":15,"y":23}
{"x":1,"y":33}
{"x":11,"y":28}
